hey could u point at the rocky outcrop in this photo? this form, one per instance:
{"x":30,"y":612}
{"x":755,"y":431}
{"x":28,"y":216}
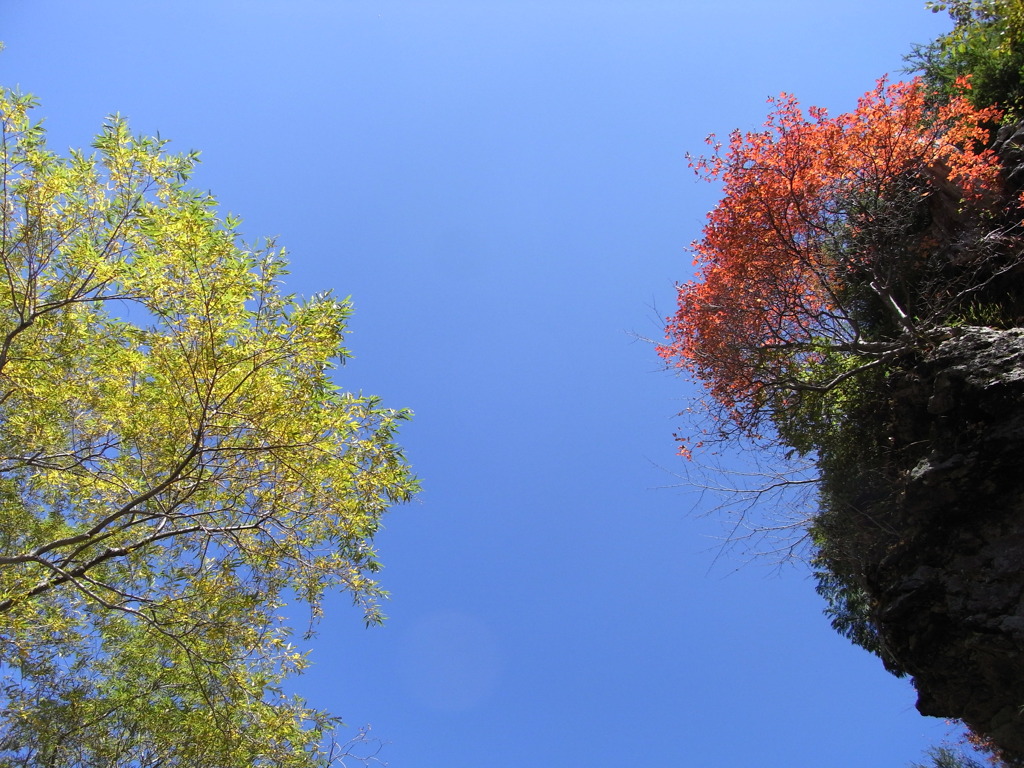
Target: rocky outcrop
{"x":947,"y":576}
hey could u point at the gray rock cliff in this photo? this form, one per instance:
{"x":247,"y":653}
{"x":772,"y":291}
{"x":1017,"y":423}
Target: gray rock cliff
{"x":946,"y":572}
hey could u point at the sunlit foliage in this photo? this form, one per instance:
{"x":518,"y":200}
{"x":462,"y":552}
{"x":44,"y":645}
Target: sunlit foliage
{"x":178,"y":469}
{"x":985,"y":44}
{"x":825,"y":256}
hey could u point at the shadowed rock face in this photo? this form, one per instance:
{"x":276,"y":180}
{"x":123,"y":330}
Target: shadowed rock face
{"x":948,"y":583}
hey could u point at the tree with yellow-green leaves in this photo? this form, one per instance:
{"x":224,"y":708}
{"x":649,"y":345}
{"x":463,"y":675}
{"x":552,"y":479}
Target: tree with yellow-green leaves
{"x":176,"y":465}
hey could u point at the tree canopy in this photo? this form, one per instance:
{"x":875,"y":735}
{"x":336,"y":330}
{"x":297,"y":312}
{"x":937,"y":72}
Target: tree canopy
{"x":828,"y":253}
{"x":178,"y":468}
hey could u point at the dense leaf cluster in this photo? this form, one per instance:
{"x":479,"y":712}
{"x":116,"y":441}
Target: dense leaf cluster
{"x":832,"y":250}
{"x":986,"y":43}
{"x":176,"y":467}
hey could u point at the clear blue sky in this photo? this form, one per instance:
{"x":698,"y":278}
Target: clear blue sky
{"x":501,"y":187}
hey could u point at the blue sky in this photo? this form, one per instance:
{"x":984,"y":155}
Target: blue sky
{"x":502,"y":189}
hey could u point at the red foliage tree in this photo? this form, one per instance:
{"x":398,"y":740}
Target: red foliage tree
{"x":821,"y":217}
